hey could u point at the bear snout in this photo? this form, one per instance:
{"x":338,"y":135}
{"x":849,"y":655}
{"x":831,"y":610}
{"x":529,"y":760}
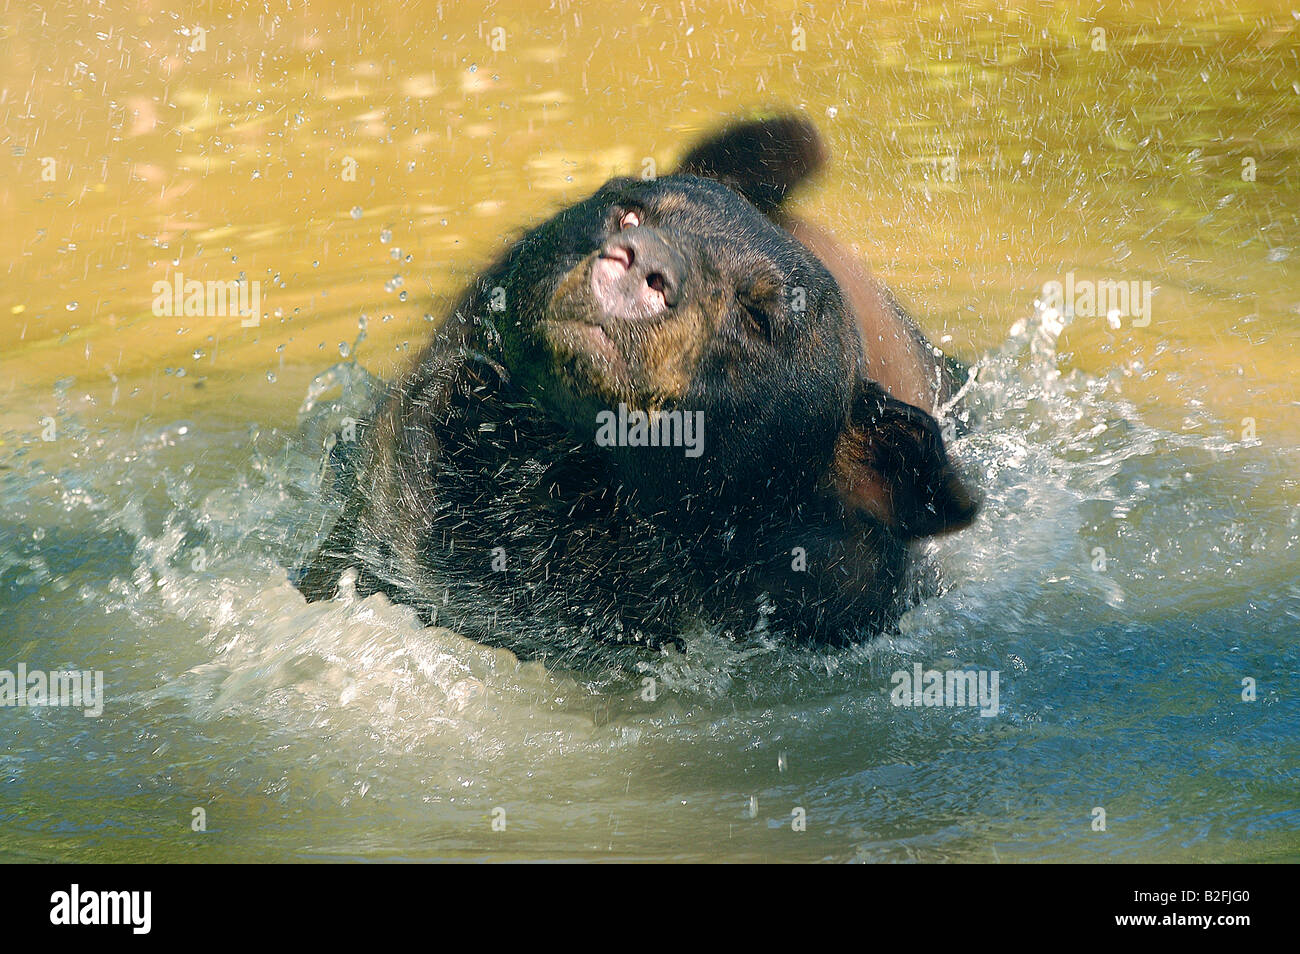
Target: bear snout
{"x":637,"y":274}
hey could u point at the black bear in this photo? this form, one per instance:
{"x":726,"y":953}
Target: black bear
{"x":672,"y":402}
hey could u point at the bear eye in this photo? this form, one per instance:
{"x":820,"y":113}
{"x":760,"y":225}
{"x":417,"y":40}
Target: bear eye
{"x":630,"y":220}
{"x":762,"y":300}
{"x":757,"y":316}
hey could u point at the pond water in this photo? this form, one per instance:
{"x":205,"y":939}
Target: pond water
{"x":1132,"y":577}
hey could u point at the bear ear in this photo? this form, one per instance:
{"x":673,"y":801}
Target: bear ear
{"x":762,"y":159}
{"x":890,"y":463}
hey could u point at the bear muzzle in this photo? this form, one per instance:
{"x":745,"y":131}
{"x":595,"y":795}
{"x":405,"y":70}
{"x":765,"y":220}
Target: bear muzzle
{"x":637,"y":275}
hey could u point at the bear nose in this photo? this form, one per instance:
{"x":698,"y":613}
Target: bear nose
{"x":639,"y":272}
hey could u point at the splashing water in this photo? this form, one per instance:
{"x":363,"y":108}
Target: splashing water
{"x":1109,"y":581}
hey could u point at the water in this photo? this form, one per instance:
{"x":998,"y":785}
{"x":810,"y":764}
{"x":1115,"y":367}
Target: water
{"x":1135,"y":560}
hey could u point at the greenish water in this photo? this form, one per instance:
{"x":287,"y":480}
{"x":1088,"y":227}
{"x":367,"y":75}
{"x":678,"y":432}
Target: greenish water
{"x":977,"y":154}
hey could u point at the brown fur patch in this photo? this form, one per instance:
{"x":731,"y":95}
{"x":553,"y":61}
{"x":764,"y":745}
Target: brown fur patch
{"x":670,"y":202}
{"x":859,"y":488}
{"x":891,"y":348}
{"x":670,"y":352}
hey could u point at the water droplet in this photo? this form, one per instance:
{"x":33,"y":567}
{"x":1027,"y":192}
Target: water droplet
{"x":72,"y":306}
{"x":386,"y":236}
{"x":356,"y":211}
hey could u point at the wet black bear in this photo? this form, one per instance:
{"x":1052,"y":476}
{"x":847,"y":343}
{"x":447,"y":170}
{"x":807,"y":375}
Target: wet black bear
{"x":659,"y":406}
